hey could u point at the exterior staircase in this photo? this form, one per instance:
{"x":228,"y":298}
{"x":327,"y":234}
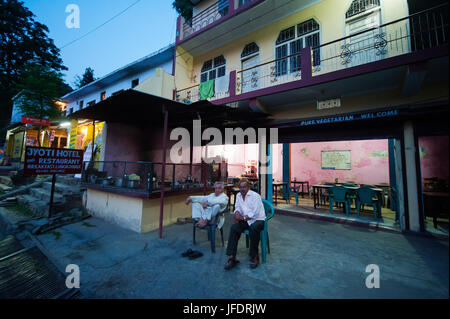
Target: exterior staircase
{"x":68,"y":195}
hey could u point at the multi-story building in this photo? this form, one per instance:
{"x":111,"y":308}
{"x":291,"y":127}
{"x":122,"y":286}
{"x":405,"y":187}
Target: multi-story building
{"x":329,"y":71}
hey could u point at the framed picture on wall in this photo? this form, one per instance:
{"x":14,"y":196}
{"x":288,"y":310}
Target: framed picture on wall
{"x":336,"y":160}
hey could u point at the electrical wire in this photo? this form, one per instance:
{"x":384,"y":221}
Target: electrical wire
{"x":104,"y":23}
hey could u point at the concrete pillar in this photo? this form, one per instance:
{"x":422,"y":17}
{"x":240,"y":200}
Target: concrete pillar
{"x":411,"y":176}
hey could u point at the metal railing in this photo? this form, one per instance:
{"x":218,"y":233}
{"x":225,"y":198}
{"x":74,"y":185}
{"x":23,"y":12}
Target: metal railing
{"x":145,"y":177}
{"x":206,"y":17}
{"x":192,"y":94}
{"x":275,"y":72}
{"x":419,"y":31}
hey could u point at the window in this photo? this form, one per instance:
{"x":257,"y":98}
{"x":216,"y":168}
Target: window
{"x":359,"y":6}
{"x":249,"y":49}
{"x":214,"y":68}
{"x":71,"y":110}
{"x":81,"y":104}
{"x":91,"y":103}
{"x":290,"y":41}
{"x":102,"y":96}
{"x":134,"y":83}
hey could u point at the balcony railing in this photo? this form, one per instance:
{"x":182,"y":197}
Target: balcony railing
{"x":206,"y":17}
{"x":424,"y":30}
{"x":145,"y":177}
{"x":192,"y":94}
{"x":276,"y":72}
{"x":420,"y":31}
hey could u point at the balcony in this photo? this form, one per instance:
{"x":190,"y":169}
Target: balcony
{"x":226,"y":20}
{"x":413,"y":39}
{"x":214,"y":14}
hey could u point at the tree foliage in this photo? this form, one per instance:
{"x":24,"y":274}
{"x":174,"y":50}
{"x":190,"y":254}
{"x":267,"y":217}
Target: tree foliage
{"x":87,"y":78}
{"x":40,"y":88}
{"x":184,"y":8}
{"x":23,"y":41}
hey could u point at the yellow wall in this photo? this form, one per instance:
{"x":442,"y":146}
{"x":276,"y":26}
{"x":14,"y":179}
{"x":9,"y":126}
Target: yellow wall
{"x":162,"y":84}
{"x":184,"y":68}
{"x":136,"y":214}
{"x":330,"y":14}
{"x":174,"y":207}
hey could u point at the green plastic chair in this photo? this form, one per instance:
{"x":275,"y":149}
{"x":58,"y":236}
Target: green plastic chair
{"x":368,"y":196}
{"x":294,"y":192}
{"x":367,"y":185}
{"x":327,"y":194}
{"x":268,"y":208}
{"x":340,"y":194}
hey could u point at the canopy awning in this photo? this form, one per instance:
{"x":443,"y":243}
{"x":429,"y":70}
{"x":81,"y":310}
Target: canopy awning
{"x":139,"y":108}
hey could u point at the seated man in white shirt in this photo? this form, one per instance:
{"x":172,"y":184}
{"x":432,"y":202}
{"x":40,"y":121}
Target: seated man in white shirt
{"x":205,"y":208}
{"x":249,"y":214}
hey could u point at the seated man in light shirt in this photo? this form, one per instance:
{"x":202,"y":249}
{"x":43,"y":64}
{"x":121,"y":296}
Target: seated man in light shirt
{"x":205,"y":208}
{"x":249,"y":214}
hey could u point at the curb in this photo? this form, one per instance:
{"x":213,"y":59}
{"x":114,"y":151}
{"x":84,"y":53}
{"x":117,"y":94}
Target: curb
{"x":358,"y":224}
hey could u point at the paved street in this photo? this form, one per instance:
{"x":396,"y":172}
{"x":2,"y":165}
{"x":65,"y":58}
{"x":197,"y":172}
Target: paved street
{"x":309,"y":259}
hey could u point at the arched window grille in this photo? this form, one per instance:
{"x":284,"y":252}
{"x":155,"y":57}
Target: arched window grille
{"x":290,"y":41}
{"x":250,"y":49}
{"x":359,"y":6}
{"x":214,"y":68}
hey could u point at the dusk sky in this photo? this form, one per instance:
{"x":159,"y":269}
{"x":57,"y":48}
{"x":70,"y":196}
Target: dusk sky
{"x":144,"y":28}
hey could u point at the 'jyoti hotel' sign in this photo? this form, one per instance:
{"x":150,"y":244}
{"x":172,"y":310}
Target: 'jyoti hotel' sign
{"x":47,"y":161}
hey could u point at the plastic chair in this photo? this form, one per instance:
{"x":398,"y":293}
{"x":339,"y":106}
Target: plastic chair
{"x":211,"y":228}
{"x":327,"y":193}
{"x":367,"y":185}
{"x":368,"y":196}
{"x":268,"y":208}
{"x":294,"y":192}
{"x":340,"y":194}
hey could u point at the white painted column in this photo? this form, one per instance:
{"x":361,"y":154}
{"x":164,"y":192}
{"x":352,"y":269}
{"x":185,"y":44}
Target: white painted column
{"x":411,"y":177}
{"x":262,"y":160}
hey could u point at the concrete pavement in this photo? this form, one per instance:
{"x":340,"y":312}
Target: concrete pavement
{"x":309,"y":259}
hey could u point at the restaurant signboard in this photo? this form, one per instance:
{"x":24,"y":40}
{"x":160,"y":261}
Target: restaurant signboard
{"x":48,"y":161}
{"x":52,"y":161}
{"x":35,"y":121}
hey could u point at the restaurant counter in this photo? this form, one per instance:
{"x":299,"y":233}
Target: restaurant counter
{"x":135,"y":209}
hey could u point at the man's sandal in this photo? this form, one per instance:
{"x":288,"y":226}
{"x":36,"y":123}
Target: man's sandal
{"x":232,"y":262}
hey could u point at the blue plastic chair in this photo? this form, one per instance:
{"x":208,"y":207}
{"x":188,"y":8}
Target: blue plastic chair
{"x":294,"y":192}
{"x":340,"y":194}
{"x":368,"y":196}
{"x":264,"y":233}
{"x":211,"y":228}
{"x":325,"y":196}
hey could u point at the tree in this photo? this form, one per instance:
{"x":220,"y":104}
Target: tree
{"x":87,"y":78}
{"x":40,"y":88}
{"x":184,"y":8}
{"x":22,"y":41}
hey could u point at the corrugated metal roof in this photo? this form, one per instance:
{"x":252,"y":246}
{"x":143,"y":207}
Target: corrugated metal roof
{"x":28,"y":274}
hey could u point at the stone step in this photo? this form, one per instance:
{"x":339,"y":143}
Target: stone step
{"x":44,"y":195}
{"x":68,"y":180}
{"x":6,"y":180}
{"x":5,"y":188}
{"x":38,"y":206}
{"x":62,"y":188}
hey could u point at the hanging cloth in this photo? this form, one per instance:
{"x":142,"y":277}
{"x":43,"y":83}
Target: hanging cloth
{"x":206,"y":89}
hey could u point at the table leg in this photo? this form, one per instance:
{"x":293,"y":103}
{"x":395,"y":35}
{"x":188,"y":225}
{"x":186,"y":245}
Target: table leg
{"x":314,"y":197}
